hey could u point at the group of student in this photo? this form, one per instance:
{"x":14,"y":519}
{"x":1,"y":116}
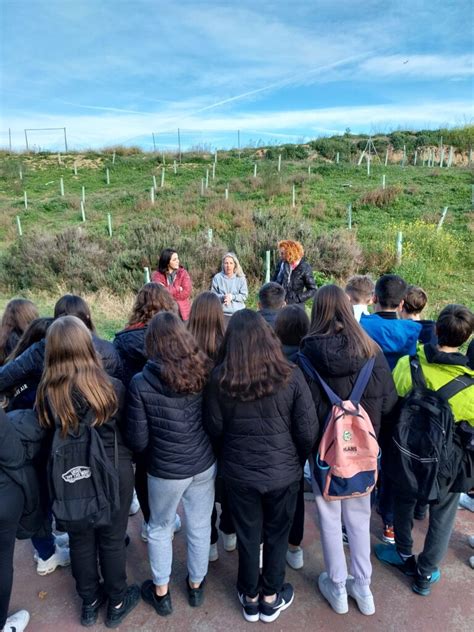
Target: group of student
{"x":192,"y":409}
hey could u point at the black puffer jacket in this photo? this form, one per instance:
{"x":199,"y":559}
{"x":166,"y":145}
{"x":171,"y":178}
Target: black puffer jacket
{"x":330,"y":356}
{"x":299,"y":283}
{"x":28,"y":367}
{"x":168,"y":425}
{"x":266,"y":441}
{"x":130,"y":345}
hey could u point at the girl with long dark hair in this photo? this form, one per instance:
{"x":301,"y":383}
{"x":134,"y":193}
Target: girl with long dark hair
{"x":206,"y":323}
{"x":165,"y":418}
{"x":260,"y":407}
{"x":75,"y":389}
{"x":175,"y":279}
{"x":152,"y":299}
{"x":338,"y":348}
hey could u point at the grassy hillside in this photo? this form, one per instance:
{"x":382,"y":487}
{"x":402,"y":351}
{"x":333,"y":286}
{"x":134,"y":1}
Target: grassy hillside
{"x":59,"y":252}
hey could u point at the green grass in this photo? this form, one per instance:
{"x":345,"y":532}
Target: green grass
{"x":442,"y":262}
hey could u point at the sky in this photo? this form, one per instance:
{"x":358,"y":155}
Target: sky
{"x":134,"y":71}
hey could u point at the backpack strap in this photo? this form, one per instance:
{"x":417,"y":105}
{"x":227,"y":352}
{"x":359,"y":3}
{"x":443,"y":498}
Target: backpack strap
{"x":417,"y":377}
{"x":455,"y":386}
{"x":309,"y":369}
{"x":362,"y":381}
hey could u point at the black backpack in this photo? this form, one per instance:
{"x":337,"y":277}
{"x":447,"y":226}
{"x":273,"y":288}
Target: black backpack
{"x":83,"y":482}
{"x":422,"y":452}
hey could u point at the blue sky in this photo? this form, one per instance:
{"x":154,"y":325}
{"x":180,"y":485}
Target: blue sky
{"x":114,"y":71}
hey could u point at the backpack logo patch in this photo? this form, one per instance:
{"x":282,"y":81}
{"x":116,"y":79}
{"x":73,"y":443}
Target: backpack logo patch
{"x":347,"y":435}
{"x":77,"y":473}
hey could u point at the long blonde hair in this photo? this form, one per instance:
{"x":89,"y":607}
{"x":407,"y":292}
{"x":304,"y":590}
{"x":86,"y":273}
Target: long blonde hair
{"x":72,"y":369}
{"x":238,"y":269}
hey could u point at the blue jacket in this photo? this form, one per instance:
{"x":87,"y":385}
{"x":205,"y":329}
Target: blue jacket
{"x":396,"y":337}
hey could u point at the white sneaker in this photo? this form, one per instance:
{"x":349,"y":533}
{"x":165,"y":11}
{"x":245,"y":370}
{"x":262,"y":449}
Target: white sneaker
{"x":17,"y":622}
{"x":230,"y":541}
{"x":213,"y":553}
{"x":294,"y":558}
{"x":177,"y":524}
{"x":471,"y":540}
{"x":144,"y":531}
{"x":337,"y":599}
{"x":59,"y":558}
{"x":466,"y":502}
{"x":362,"y":595}
{"x":135,"y":505}
{"x":471,"y":561}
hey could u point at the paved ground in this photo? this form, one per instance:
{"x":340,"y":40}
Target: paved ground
{"x":53,"y":605}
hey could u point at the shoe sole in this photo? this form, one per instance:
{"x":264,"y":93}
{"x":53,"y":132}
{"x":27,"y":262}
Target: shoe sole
{"x":251,"y":618}
{"x":115,"y":624}
{"x":295,"y":567}
{"x":214,"y":558}
{"x":362,"y":610}
{"x":268,"y":618}
{"x":388,"y":540}
{"x":48,"y":571}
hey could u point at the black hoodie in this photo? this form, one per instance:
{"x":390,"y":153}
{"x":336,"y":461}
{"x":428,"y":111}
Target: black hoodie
{"x":168,"y":425}
{"x":331,"y":357}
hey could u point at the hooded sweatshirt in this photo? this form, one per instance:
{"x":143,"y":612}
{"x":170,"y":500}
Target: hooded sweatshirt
{"x":396,"y":337}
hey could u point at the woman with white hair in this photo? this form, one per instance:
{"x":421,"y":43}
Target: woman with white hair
{"x":230,"y":285}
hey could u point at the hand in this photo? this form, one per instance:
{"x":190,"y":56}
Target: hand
{"x":227,"y":299}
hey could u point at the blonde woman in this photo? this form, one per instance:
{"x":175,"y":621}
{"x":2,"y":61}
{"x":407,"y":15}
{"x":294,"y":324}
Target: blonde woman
{"x":230,"y":285}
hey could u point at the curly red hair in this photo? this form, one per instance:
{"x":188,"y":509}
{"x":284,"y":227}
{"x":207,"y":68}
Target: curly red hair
{"x":293,"y":249}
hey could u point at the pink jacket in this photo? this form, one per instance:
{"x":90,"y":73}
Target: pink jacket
{"x":180,"y":290}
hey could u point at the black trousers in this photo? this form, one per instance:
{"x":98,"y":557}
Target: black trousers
{"x":11,"y":507}
{"x":108,"y":543}
{"x":141,"y":486}
{"x":268,"y":515}
{"x":297,"y":526}
{"x":226,"y":524}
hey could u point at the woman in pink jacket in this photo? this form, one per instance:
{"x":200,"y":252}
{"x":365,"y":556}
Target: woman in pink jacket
{"x":175,"y":279}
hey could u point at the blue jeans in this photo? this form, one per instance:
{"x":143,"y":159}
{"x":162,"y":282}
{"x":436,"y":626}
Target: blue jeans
{"x":164,"y":495}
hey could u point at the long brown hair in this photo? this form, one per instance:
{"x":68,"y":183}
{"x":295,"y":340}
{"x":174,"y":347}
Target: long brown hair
{"x":150,"y":300}
{"x":183,"y":366}
{"x":332,"y":314}
{"x":206,"y":323}
{"x":35,"y":332}
{"x":251,"y":360}
{"x":72,"y":370}
{"x":18,"y":314}
{"x":73,"y":305}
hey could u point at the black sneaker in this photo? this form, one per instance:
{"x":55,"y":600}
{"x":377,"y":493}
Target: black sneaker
{"x":115,"y":616}
{"x":284,"y":599}
{"x":250,"y":609}
{"x":422,"y":584}
{"x":162,"y":605}
{"x":195,"y":595}
{"x":90,"y":611}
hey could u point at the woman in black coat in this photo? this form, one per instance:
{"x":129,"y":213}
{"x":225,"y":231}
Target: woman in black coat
{"x":294,"y":273}
{"x":337,"y":347}
{"x":260,"y":407}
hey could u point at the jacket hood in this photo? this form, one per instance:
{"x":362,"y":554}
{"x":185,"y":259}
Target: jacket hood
{"x":331,"y":356}
{"x":435,"y":356}
{"x":131,"y":342}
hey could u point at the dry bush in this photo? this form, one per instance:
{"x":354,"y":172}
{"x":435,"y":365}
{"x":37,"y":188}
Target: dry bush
{"x":297,"y":178}
{"x":122,"y":150}
{"x":412,"y":190}
{"x":256,"y":183}
{"x":379,"y":197}
{"x":187,"y":222}
{"x":318,"y":211}
{"x":337,"y":254}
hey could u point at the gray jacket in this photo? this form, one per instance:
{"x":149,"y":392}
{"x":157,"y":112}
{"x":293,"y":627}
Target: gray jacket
{"x":237,"y":286}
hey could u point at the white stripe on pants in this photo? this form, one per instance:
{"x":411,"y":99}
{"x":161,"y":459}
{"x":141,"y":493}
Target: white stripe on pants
{"x":197,"y":494}
{"x":355,"y":513}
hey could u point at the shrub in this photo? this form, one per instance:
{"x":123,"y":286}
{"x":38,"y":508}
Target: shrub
{"x":379,"y":197}
{"x":337,"y":254}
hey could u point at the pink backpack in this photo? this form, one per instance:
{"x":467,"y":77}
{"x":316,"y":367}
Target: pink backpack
{"x":346,"y":463}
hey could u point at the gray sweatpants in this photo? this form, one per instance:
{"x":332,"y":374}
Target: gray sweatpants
{"x":197,"y":494}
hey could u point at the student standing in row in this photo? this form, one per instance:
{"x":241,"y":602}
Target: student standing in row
{"x":259,"y":405}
